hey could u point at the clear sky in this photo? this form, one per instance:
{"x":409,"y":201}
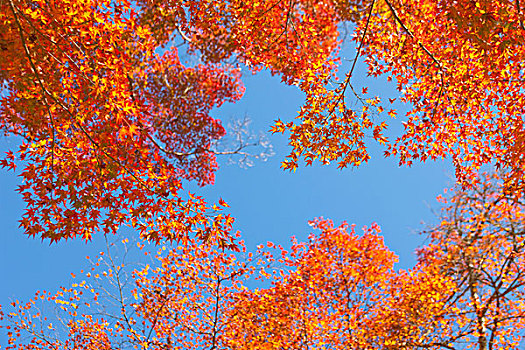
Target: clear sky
{"x":268,"y":203}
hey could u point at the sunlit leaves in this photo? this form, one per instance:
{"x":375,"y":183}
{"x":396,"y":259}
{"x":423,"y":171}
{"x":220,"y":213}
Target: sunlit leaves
{"x":327,"y":297}
{"x":112,"y":120}
{"x":459,"y":65}
{"x":337,"y":290}
{"x":479,"y":245}
{"x":108,"y":128}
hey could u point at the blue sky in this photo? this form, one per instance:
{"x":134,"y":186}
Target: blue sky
{"x":268,"y":203}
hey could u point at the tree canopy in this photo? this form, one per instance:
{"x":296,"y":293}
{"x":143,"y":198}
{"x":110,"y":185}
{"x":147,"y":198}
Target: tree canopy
{"x":338,"y":290}
{"x":110,"y":102}
{"x":111,"y":120}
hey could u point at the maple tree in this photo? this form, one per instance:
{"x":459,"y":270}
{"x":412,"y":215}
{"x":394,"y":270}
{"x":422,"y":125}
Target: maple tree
{"x":479,"y":248}
{"x":326,"y":296}
{"x":108,"y":128}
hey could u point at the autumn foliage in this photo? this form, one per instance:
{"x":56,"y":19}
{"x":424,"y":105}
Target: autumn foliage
{"x":110,"y":105}
{"x":110,"y":121}
{"x":108,"y":127}
{"x":338,"y":290}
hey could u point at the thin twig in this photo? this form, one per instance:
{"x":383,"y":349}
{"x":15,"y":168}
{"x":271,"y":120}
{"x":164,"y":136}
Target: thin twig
{"x":358,"y":53}
{"x":398,"y":20}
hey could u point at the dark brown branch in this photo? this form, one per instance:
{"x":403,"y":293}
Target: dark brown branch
{"x":33,"y":66}
{"x":398,"y":20}
{"x":358,"y":53}
{"x":518,"y":10}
